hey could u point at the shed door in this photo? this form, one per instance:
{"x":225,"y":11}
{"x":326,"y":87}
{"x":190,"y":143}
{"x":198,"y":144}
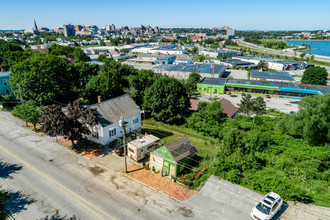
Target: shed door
{"x":172,"y":170}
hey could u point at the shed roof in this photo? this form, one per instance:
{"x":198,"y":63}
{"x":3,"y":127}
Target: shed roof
{"x":111,"y":110}
{"x":181,"y":149}
{"x":228,"y":108}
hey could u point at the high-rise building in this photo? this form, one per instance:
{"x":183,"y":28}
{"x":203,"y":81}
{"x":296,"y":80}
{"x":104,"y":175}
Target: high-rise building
{"x":113,"y":27}
{"x":78,"y":28}
{"x":68,"y":30}
{"x":230,"y":33}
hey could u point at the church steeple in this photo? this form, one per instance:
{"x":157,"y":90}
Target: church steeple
{"x":35,"y":29}
{"x":35,"y":25}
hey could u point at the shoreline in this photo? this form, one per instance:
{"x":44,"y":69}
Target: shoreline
{"x":308,"y":40}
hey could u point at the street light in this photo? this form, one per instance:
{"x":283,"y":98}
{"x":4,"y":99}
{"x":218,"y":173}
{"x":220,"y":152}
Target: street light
{"x":122,"y":125}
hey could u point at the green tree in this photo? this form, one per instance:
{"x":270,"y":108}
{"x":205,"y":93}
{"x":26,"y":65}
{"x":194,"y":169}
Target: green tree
{"x":259,"y":106}
{"x":166,"y":100}
{"x":207,"y":119}
{"x":43,"y":77}
{"x":4,"y":211}
{"x":312,"y":121}
{"x":29,"y":112}
{"x":110,"y":80}
{"x":315,"y":76}
{"x":262,"y":65}
{"x":199,"y":58}
{"x":191,"y":83}
{"x":246,"y":106}
{"x":302,"y":55}
{"x":80,"y":56}
{"x":139,"y":83}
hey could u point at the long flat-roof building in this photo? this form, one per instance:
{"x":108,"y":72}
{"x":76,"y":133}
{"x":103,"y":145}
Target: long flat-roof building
{"x":182,"y":70}
{"x":274,"y":64}
{"x":283,"y":89}
{"x":271,"y":76}
{"x":232,"y":63}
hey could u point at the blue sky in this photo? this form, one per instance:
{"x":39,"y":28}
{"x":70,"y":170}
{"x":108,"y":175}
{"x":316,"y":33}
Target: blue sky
{"x":239,"y":14}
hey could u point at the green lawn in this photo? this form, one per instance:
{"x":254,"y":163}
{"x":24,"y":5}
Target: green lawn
{"x":169,"y":133}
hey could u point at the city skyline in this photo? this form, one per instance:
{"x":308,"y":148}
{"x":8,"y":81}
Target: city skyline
{"x":253,"y":15}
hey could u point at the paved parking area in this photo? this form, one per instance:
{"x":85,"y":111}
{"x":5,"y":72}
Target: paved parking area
{"x":280,"y":104}
{"x":224,"y":200}
{"x":238,"y":74}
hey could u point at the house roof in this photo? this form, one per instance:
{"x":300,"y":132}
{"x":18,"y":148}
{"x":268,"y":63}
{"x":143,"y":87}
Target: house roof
{"x":228,"y":107}
{"x":111,"y":110}
{"x":181,"y":149}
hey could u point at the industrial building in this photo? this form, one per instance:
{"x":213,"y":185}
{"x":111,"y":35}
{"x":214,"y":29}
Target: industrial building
{"x":152,"y":59}
{"x":182,"y":70}
{"x":274,"y":64}
{"x":285,"y":90}
{"x":271,"y":76}
{"x":221,"y":53}
{"x":233,"y":63}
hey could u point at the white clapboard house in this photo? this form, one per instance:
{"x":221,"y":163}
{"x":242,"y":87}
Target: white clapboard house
{"x":109,"y":113}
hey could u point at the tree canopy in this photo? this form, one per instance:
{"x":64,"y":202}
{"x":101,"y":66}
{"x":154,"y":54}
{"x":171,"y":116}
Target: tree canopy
{"x":314,"y":76}
{"x":208,"y":119}
{"x":29,"y":112}
{"x":250,"y":106}
{"x":139,"y":83}
{"x":311,"y":122}
{"x":110,"y":80}
{"x":166,"y":100}
{"x":42,"y":78}
{"x":191,"y":83}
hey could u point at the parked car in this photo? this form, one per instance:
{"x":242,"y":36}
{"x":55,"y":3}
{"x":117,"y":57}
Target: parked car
{"x":268,"y":96}
{"x":119,"y":150}
{"x":243,"y":94}
{"x":268,"y":207}
{"x":228,"y":93}
{"x":233,"y":95}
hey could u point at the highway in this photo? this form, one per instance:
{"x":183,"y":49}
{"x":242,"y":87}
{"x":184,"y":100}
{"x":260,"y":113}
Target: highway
{"x":278,"y":52}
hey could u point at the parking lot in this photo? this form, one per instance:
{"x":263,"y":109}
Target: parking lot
{"x":279,"y":104}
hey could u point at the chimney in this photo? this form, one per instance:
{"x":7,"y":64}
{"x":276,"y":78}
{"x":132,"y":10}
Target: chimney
{"x":2,"y":70}
{"x":99,"y":99}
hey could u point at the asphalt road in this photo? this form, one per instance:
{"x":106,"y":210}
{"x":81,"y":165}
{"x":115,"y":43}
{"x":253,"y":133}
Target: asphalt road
{"x":278,"y":52}
{"x":45,"y":179}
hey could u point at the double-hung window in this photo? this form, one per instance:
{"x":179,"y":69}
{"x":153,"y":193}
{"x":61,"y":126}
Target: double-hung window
{"x":112,"y":132}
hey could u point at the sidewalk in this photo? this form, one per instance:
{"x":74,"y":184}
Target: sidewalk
{"x":163,"y":184}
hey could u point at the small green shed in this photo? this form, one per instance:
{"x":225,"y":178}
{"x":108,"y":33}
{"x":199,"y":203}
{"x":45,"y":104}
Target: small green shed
{"x":172,"y":158}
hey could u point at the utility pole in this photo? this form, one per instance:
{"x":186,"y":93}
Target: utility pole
{"x":212,"y":79}
{"x":122,"y":124}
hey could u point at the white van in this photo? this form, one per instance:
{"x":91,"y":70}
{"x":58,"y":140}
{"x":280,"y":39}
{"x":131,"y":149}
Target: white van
{"x":142,"y":146}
